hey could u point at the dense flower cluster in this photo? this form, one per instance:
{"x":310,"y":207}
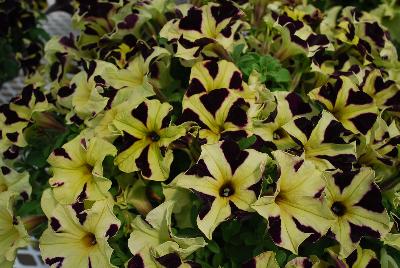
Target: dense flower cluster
{"x":226,"y":134}
{"x":21,"y":37}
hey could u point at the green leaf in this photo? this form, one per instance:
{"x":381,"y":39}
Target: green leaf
{"x":281,"y":257}
{"x":213,"y":247}
{"x":271,"y":71}
{"x":246,"y":143}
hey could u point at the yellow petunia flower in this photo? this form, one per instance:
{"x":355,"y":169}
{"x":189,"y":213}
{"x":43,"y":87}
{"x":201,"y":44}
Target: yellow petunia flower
{"x":297,"y":209}
{"x":147,"y":133}
{"x":78,"y":171}
{"x":202,"y":30}
{"x":352,"y":107}
{"x":12,"y":181}
{"x":356,"y":204}
{"x":13,"y":234}
{"x":152,"y":239}
{"x":226,"y":179}
{"x":76,"y":236}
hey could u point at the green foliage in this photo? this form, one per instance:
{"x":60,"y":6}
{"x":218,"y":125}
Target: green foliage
{"x":121,"y":253}
{"x":236,"y":241}
{"x":246,"y":143}
{"x":392,"y":23}
{"x":271,"y":71}
{"x":21,"y":38}
{"x":7,"y":62}
{"x":360,"y":4}
{"x":41,"y":142}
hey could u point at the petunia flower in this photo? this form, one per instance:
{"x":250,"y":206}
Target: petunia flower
{"x":101,"y":125}
{"x":183,"y":202}
{"x":173,"y":260}
{"x":296,"y":37}
{"x":265,"y":259}
{"x":379,"y":149}
{"x":12,"y":181}
{"x":147,"y":131}
{"x":324,"y":141}
{"x":297,"y":209}
{"x":206,"y":76}
{"x":288,"y":107}
{"x":78,"y":169}
{"x":130,"y":92}
{"x":385,"y":92}
{"x":304,"y":262}
{"x":226,"y":179}
{"x":220,"y":113}
{"x":15,"y":116}
{"x":87,"y":87}
{"x":217,"y":100}
{"x":29,"y":101}
{"x":135,"y":77}
{"x":356,"y":204}
{"x":76,"y":236}
{"x":60,"y":54}
{"x":141,"y":19}
{"x":94,"y":20}
{"x":368,"y":37}
{"x":352,"y":107}
{"x":12,"y":126}
{"x":134,"y":194}
{"x":359,"y":258}
{"x":152,"y":240}
{"x":13,"y":234}
{"x":205,"y":30}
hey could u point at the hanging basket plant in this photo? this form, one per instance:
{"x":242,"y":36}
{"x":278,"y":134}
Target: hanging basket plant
{"x":251,"y":134}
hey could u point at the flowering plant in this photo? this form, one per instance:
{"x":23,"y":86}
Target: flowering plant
{"x":21,"y":37}
{"x":229,"y":134}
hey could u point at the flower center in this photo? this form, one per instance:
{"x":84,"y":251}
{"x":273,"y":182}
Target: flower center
{"x":226,"y":190}
{"x":338,"y":208}
{"x":3,"y":187}
{"x":89,"y":168}
{"x":89,"y":240}
{"x":279,"y":134}
{"x":154,"y":136}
